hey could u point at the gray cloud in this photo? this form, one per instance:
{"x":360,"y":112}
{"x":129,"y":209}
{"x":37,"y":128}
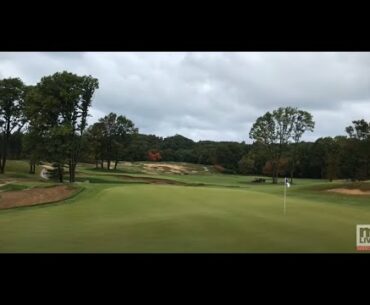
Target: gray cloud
{"x":214,"y":96}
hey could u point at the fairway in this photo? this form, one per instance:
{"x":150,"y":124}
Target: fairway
{"x":221,"y":216}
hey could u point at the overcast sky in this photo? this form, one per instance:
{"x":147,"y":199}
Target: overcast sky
{"x":212,"y":95}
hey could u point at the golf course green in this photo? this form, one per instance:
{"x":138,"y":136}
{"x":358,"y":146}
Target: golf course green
{"x":207,"y":212}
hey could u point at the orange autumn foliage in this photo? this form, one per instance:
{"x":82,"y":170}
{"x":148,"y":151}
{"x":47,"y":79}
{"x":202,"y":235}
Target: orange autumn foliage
{"x":154,"y":156}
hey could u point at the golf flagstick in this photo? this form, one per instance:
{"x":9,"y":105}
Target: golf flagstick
{"x":286,"y":184}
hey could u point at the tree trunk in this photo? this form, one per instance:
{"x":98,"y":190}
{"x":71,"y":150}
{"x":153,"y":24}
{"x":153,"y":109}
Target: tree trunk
{"x":3,"y":161}
{"x":72,"y":172}
{"x":108,"y":164}
{"x":5,"y":146}
{"x":115,"y":164}
{"x":96,"y":164}
{"x":274,"y":173}
{"x":3,"y":165}
{"x":32,"y":167}
{"x":293,"y":162}
{"x":60,"y":173}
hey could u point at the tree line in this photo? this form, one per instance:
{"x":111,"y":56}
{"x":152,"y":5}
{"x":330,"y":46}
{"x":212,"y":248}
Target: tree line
{"x":51,"y":116}
{"x":47,"y":122}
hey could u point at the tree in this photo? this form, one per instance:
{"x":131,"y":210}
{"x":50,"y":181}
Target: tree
{"x":359,"y":130}
{"x":303,"y":160}
{"x":15,"y":145}
{"x":116,"y":134}
{"x":332,"y":159}
{"x":154,"y":155}
{"x":274,"y":130}
{"x":177,"y":142}
{"x":33,"y":149}
{"x":282,"y":167}
{"x":88,"y":85}
{"x":94,"y":144}
{"x":302,"y":122}
{"x":57,"y":110}
{"x":353,"y":163}
{"x":35,"y":137}
{"x":228,"y":154}
{"x":256,"y":159}
{"x":247,"y":164}
{"x":327,"y":157}
{"x":11,"y":103}
{"x":140,"y":144}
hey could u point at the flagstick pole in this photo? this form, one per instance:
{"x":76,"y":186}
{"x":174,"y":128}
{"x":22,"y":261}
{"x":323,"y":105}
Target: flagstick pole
{"x":284,"y":197}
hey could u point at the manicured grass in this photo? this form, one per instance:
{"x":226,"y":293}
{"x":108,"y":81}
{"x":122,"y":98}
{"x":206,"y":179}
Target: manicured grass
{"x":163,"y":218}
{"x":228,"y":213}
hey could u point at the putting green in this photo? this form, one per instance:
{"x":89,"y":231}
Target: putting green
{"x":165,"y":218}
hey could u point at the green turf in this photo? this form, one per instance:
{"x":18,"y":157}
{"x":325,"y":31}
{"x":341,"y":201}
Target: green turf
{"x":228,"y":214}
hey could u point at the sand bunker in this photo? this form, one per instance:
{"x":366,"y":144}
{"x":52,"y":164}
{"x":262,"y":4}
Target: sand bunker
{"x":34,"y":196}
{"x":349,"y":191}
{"x":126,"y":163}
{"x":173,"y":166}
{"x":178,"y":169}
